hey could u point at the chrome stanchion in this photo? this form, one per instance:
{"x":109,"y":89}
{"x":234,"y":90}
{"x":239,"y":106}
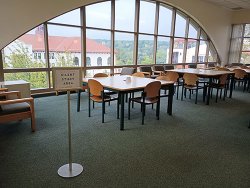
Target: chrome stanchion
{"x":72,"y":169}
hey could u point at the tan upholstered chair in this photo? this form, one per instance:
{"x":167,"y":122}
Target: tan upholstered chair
{"x":97,"y":94}
{"x":14,"y":108}
{"x":150,"y":95}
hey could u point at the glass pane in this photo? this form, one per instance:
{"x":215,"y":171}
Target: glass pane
{"x":64,"y":46}
{"x":147,"y":17}
{"x":72,"y":17}
{"x":124,"y":20}
{"x":36,"y":79}
{"x":247,"y":30}
{"x":192,"y":32}
{"x":124,"y":48}
{"x":203,"y":35}
{"x":99,"y":15}
{"x":28,"y":51}
{"x":162,"y":50}
{"x":145,"y":50}
{"x":98,"y":47}
{"x":177,"y":56}
{"x":180,"y":25}
{"x":202,"y":51}
{"x":92,"y":72}
{"x":165,"y":21}
{"x":212,"y":55}
{"x":191,"y":49}
{"x":246,"y":44}
{"x":245,"y":57}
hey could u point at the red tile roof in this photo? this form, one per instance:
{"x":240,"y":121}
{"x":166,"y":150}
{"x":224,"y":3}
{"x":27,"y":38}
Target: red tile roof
{"x":62,"y":44}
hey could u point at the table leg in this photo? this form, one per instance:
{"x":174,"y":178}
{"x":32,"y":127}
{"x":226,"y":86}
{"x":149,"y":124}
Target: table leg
{"x":78,"y":100}
{"x":122,"y":111}
{"x":231,"y":86}
{"x":170,"y":99}
{"x":209,"y":90}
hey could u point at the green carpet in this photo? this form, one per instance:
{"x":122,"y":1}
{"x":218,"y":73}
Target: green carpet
{"x":198,"y":146}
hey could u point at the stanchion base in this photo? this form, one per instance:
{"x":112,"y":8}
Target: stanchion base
{"x":64,"y":171}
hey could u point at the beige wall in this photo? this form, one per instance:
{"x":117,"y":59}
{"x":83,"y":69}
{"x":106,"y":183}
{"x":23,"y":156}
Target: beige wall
{"x":17,"y":17}
{"x":241,"y":17}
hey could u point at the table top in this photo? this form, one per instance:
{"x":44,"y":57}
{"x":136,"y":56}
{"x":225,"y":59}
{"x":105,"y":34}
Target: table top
{"x":202,"y":72}
{"x":247,"y":70}
{"x":126,"y":83}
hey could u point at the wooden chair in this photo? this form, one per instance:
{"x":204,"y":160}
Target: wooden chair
{"x":191,"y":82}
{"x":97,"y":94}
{"x":220,"y":85}
{"x":158,"y":70}
{"x":147,"y":71}
{"x":127,"y":71}
{"x":16,"y":109}
{"x":139,"y":74}
{"x":100,"y":74}
{"x":171,"y":76}
{"x":240,"y":77}
{"x":150,"y":95}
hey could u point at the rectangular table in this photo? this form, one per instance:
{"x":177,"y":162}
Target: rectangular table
{"x":123,"y":86}
{"x":210,"y":74}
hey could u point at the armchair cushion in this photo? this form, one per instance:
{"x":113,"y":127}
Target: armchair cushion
{"x":14,"y":108}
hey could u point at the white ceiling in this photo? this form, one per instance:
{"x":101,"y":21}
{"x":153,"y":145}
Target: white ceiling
{"x":232,"y":4}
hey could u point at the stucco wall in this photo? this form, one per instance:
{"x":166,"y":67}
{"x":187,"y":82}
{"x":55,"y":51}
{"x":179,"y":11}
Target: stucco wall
{"x":17,"y":17}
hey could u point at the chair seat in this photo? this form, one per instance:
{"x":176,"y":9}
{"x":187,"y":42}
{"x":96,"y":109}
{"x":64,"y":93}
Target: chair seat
{"x":14,"y":108}
{"x":147,"y":100}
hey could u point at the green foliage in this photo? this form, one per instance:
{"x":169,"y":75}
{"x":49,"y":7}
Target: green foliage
{"x":19,"y":58}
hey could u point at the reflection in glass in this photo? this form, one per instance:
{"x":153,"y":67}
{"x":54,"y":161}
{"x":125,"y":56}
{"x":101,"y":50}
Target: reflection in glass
{"x":247,"y":30}
{"x":246,"y":44}
{"x":180,"y":25}
{"x":212,"y":55}
{"x":124,"y":48}
{"x":145,"y":50}
{"x":64,"y":46}
{"x":165,"y":21}
{"x":28,"y":51}
{"x":178,"y":49}
{"x":245,"y":58}
{"x":202,"y":52}
{"x":192,"y":32}
{"x":162,"y":50}
{"x":72,"y":18}
{"x":98,"y":44}
{"x":99,"y":15}
{"x":37,"y":80}
{"x":191,"y":49}
{"x":124,"y":20}
{"x":147,"y":17}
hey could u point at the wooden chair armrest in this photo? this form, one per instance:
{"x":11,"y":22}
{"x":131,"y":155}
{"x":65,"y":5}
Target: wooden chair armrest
{"x":3,"y":89}
{"x":8,"y":93}
{"x":147,"y":73}
{"x":14,"y":101}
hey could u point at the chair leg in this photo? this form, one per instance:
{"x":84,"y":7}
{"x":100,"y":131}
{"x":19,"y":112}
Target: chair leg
{"x":217,"y":92}
{"x":196,"y":96}
{"x":177,"y":93}
{"x":182,"y":93}
{"x":103,"y":111}
{"x":143,"y":113}
{"x":89,"y":104}
{"x":93,"y":104}
{"x":118,"y":107}
{"x":158,"y":110}
{"x":129,"y":109}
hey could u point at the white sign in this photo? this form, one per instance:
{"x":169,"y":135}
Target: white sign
{"x":67,"y":78}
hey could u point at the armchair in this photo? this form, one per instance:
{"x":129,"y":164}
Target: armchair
{"x":16,"y":109}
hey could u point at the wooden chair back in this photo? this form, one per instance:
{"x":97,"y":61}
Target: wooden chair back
{"x":222,"y":69}
{"x":223,"y":79}
{"x":165,"y":78}
{"x":239,"y":73}
{"x":153,"y":89}
{"x":138,"y":74}
{"x":100,"y":75}
{"x":95,"y":87}
{"x":172,"y":76}
{"x":190,"y":79}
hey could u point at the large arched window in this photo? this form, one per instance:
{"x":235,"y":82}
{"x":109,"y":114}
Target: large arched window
{"x":130,"y":33}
